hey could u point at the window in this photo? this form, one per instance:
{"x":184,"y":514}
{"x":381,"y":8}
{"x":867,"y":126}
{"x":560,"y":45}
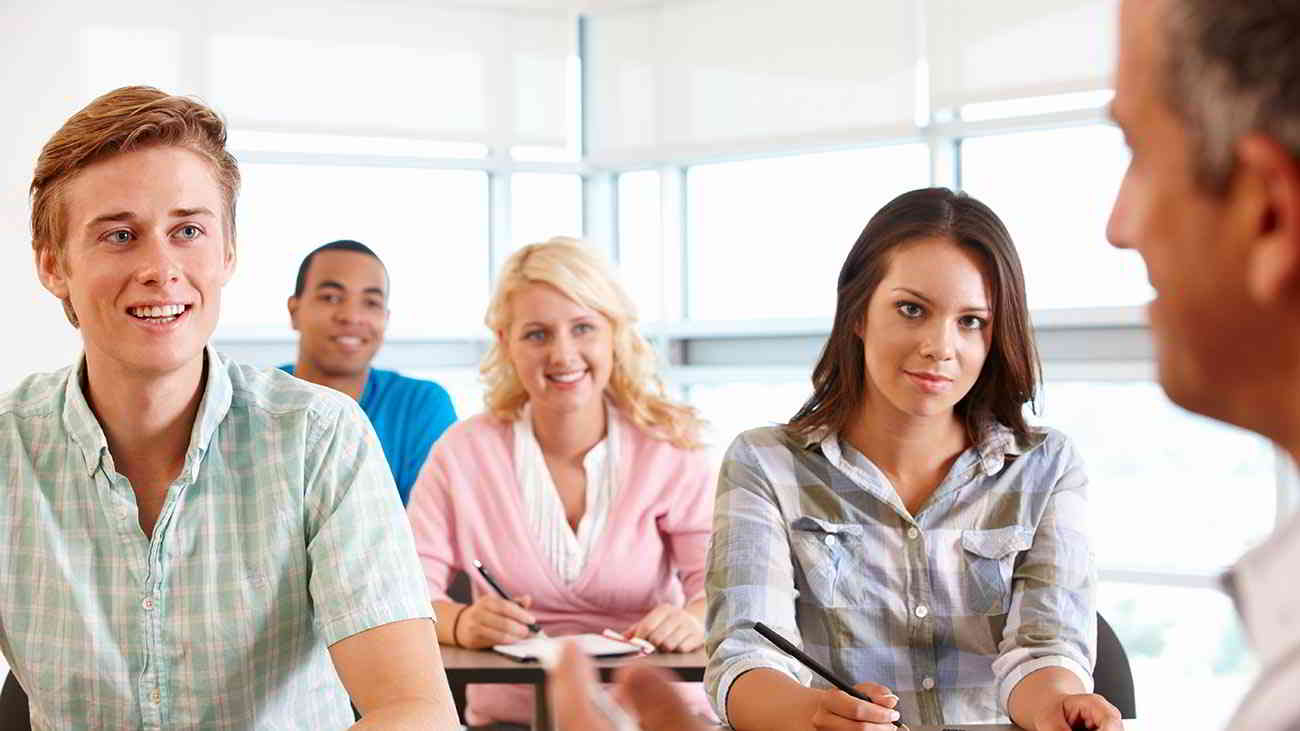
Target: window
{"x":767,"y":237}
{"x":429,"y":227}
{"x":1054,"y":190}
{"x":732,"y":408}
{"x":1162,"y":480}
{"x":641,"y":242}
{"x":543,"y":205}
{"x":1181,"y":644}
{"x":1175,"y":493}
{"x":462,"y":385}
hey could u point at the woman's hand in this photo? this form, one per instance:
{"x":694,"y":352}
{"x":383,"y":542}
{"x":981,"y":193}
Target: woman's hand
{"x":1082,"y":710}
{"x":493,"y":621}
{"x":669,"y":629}
{"x":837,"y":710}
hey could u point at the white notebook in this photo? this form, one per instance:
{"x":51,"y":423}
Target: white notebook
{"x":538,"y":648}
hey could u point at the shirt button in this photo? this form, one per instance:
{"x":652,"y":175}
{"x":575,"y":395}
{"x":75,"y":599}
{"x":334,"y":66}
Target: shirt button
{"x":912,"y":533}
{"x":829,"y":540}
{"x":922,"y":611}
{"x":928,"y":683}
{"x":148,"y":604}
{"x":156,"y":696}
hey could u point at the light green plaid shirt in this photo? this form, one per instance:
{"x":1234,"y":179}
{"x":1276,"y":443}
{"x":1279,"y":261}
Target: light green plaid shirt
{"x":282,"y":535}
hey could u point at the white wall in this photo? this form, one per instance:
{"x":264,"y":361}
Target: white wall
{"x":40,"y":88}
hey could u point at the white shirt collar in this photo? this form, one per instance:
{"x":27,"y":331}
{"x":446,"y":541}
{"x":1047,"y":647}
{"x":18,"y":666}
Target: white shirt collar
{"x":565,"y":549}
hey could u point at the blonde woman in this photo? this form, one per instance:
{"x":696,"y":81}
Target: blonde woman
{"x":582,"y":487}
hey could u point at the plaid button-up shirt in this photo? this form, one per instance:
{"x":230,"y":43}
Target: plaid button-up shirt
{"x":950,"y":608}
{"x":282,"y":535}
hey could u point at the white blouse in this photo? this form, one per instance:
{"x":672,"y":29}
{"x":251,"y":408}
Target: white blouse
{"x":566,"y":550}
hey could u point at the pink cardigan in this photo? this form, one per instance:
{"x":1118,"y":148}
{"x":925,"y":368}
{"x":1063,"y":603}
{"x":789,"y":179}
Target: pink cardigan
{"x":466,"y":505}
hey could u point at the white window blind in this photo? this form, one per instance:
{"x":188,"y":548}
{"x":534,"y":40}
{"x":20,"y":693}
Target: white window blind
{"x":392,"y":68}
{"x":982,"y":51}
{"x":725,"y":75}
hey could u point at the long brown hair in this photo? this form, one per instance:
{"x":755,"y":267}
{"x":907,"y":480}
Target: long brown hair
{"x":1009,"y":377}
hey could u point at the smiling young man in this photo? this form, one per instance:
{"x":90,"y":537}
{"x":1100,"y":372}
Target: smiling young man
{"x":340,"y":309}
{"x":190,"y":542}
{"x":1208,"y":95}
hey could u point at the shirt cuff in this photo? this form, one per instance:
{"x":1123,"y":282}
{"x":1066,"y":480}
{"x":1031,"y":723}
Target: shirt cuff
{"x":1021,"y":671}
{"x":341,"y":628}
{"x":741,"y":667}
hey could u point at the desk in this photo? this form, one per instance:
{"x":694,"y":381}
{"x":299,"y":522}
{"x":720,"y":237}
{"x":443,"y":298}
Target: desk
{"x":485,"y":666}
{"x":1128,"y":726}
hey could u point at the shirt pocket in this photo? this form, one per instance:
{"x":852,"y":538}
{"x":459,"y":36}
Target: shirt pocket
{"x":990,"y":557}
{"x":822,"y":551}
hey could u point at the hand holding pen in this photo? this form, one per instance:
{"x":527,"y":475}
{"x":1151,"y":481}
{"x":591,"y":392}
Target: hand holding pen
{"x":869,"y":702}
{"x":494,"y":619}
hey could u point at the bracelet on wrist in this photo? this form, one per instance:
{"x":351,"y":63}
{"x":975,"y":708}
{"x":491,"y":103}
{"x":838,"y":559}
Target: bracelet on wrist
{"x":455,"y":625}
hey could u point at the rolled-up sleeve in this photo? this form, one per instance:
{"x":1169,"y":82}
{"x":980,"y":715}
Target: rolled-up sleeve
{"x":750,"y":578}
{"x":1052,"y":620}
{"x":364,"y":572}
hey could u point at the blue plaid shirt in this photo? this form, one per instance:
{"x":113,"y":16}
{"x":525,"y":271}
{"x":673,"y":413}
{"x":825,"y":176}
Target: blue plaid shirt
{"x":282,"y":535}
{"x":991,"y":580}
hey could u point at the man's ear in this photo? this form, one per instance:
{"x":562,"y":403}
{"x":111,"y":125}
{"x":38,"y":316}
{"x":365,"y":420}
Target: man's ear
{"x":1273,"y":257}
{"x":231,"y":259}
{"x":293,"y":311}
{"x":51,"y":272}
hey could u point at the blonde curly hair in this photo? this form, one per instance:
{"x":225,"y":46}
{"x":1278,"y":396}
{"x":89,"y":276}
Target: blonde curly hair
{"x":583,"y":276}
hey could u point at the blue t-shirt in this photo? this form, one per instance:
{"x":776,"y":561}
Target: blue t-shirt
{"x":409,"y":414}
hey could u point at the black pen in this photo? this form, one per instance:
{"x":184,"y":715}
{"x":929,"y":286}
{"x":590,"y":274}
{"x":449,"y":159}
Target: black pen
{"x":534,"y":627}
{"x":789,"y":649}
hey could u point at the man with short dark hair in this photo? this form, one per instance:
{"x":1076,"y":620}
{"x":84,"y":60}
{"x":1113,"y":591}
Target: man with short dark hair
{"x":340,"y":309}
{"x":1208,"y":95}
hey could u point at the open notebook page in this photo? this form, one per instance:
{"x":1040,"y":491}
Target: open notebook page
{"x":535,"y":648}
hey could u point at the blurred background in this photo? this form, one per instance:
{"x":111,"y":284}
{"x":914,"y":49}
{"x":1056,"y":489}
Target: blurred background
{"x":725,"y":153}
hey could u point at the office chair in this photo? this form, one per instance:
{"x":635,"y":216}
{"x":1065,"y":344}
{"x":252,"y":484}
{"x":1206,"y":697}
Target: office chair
{"x":14,"y":715}
{"x":1112,"y":677}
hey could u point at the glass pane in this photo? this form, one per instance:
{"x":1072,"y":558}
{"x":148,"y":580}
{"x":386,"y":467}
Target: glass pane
{"x":767,"y":237}
{"x":641,"y":241}
{"x":438,"y":264}
{"x":1181,"y":644}
{"x":731,"y":408}
{"x":1169,"y":490}
{"x":1054,"y":190}
{"x":462,"y":385}
{"x":543,"y":205}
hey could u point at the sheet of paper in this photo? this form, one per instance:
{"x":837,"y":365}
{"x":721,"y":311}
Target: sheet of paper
{"x":535,"y":648}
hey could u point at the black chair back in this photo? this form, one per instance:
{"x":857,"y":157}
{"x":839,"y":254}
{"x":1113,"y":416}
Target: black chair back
{"x":14,"y":715}
{"x":1113,"y":678}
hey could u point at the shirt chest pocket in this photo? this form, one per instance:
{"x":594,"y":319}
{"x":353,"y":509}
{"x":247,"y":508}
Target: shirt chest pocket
{"x":823,"y":555}
{"x":990,"y":557}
